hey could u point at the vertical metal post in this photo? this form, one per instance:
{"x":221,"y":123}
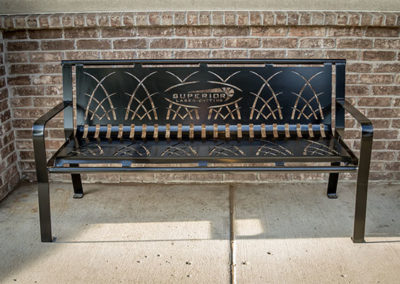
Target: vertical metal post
{"x":77,"y":183}
{"x":332,"y":183}
{"x":67,"y":96}
{"x":43,"y":183}
{"x":340,"y":94}
{"x":362,"y":185}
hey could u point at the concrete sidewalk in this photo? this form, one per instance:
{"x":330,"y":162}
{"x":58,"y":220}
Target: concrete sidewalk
{"x":287,"y":233}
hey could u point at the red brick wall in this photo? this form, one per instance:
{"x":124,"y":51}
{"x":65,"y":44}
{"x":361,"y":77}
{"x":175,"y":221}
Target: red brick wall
{"x":34,"y":46}
{"x":9,"y":175}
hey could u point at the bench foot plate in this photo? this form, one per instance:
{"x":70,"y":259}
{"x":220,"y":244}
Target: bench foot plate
{"x":78,"y":195}
{"x":332,"y":195}
{"x":359,"y":241}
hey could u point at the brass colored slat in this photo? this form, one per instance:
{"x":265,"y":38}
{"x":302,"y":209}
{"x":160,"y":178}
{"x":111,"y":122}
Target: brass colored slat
{"x":251,"y":130}
{"x":132,"y":133}
{"x":287,"y":133}
{"x":97,"y":131}
{"x":120,"y":131}
{"x":155,"y":133}
{"x":323,"y":134}
{"x":203,"y":131}
{"x":167,"y":131}
{"x":275,"y":130}
{"x":239,"y":131}
{"x":179,"y":135}
{"x":144,"y":132}
{"x":85,"y":131}
{"x":310,"y":131}
{"x":263,"y":132}
{"x":298,"y":129}
{"x":215,"y":133}
{"x":227,"y":131}
{"x":108,"y":134}
{"x":191,"y":131}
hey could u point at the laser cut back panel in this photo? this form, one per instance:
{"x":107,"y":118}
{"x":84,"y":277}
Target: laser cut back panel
{"x":204,"y":94}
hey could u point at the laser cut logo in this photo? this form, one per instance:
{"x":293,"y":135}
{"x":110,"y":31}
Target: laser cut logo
{"x":215,"y":95}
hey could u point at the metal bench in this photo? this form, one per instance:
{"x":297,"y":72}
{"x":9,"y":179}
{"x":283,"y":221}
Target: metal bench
{"x":204,"y":115}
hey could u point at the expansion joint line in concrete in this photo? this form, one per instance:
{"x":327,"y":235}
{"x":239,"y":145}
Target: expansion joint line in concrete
{"x":232,"y":234}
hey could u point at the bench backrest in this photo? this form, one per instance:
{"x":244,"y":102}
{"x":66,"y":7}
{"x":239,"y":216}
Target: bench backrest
{"x":206,"y":92}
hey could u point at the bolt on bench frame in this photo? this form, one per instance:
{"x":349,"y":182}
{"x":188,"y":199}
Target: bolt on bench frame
{"x":255,"y":127}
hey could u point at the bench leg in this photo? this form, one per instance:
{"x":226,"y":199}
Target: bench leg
{"x":332,"y":183}
{"x":43,"y":190}
{"x":362,"y":190}
{"x":77,"y":184}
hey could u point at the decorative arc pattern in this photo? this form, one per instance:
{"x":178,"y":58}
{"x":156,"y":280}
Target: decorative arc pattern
{"x":272,"y":149}
{"x":223,"y":150}
{"x":318,"y":149}
{"x":179,"y":149}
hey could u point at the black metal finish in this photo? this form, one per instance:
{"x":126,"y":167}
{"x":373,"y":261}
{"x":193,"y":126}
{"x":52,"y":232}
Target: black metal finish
{"x":200,"y":115}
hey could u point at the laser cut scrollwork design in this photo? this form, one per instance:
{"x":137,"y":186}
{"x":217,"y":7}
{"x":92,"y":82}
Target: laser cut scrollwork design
{"x":299,"y":111}
{"x":182,"y":82}
{"x":100,"y":103}
{"x":179,"y":149}
{"x":274,"y":110}
{"x":224,"y":82}
{"x":225,"y":110}
{"x":182,"y":110}
{"x":272,"y":149}
{"x":88,"y":149}
{"x":318,"y":149}
{"x":133,"y":150}
{"x":141,"y":103}
{"x":227,"y":151}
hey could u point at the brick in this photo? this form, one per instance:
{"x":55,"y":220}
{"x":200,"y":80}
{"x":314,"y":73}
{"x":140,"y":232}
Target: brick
{"x":93,"y":44}
{"x":281,"y":18}
{"x":46,"y":101}
{"x":293,"y":18}
{"x":154,"y":19}
{"x":204,"y":43}
{"x":24,"y":69}
{"x":387,"y":68}
{"x":155,"y":54}
{"x":128,"y":20}
{"x":391,"y":19}
{"x":192,"y":18}
{"x":192,"y":54}
{"x":55,"y":21}
{"x":117,"y":32}
{"x":345,"y":32}
{"x":316,"y":43}
{"x":81,"y":33}
{"x":383,"y":112}
{"x":16,"y":57}
{"x":19,"y":80}
{"x":330,"y":18}
{"x":387,"y":43}
{"x":376,"y":79}
{"x":230,"y":31}
{"x":355,"y":43}
{"x":32,"y":21}
{"x":193,"y":31}
{"x":269,"y":31}
{"x":242,"y":18}
{"x":154,"y":31}
{"x":378,"y":102}
{"x":345,"y":54}
{"x":29,"y":91}
{"x":115,"y":20}
{"x":230,"y":18}
{"x":386,"y":90}
{"x":378,"y":55}
{"x":103,"y":20}
{"x":268,"y":18}
{"x":242,"y":43}
{"x":255,"y":18}
{"x":57,"y":45}
{"x":382,"y":32}
{"x":308,"y":53}
{"x":354,"y":19}
{"x":167,"y":18}
{"x":179,"y":18}
{"x":394,"y":145}
{"x":45,"y":57}
{"x":22,"y":45}
{"x":67,"y":21}
{"x":129,"y":43}
{"x":357,"y":90}
{"x":167,"y":43}
{"x":45,"y":34}
{"x":47,"y":80}
{"x":307,"y":31}
{"x":15,"y":35}
{"x":118,"y":54}
{"x":229,"y":53}
{"x":305,"y":18}
{"x":91,"y":20}
{"x":279,"y":43}
{"x":359,"y":67}
{"x":79,"y":20}
{"x":267,"y":53}
{"x":77,"y":55}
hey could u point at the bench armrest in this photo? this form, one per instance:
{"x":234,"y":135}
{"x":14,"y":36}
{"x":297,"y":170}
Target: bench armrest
{"x":366,"y":124}
{"x":39,"y":147}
